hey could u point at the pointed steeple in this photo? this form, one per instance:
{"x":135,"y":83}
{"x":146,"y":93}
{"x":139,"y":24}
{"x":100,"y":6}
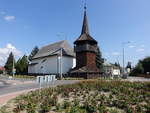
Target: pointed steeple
{"x":85,"y":35}
{"x":85,"y":28}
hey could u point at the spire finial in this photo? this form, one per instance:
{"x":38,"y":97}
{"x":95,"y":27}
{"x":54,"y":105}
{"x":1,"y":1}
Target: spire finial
{"x":85,"y":28}
{"x":85,"y":6}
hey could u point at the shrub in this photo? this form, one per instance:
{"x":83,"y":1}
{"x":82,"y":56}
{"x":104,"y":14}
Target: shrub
{"x":45,"y":107}
{"x":58,"y":106}
{"x":66,"y":104}
{"x":102,"y":108}
{"x":74,"y":109}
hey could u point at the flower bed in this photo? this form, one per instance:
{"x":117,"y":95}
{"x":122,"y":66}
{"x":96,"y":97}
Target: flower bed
{"x":96,"y":96}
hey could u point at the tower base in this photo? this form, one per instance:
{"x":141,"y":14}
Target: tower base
{"x":91,"y":75}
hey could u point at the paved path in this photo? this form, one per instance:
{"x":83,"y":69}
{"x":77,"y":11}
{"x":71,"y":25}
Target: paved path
{"x":137,"y":79}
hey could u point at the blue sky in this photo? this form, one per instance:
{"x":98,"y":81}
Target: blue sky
{"x":27,"y":23}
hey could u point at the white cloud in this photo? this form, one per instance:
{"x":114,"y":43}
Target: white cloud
{"x":131,"y":46}
{"x":115,"y":53}
{"x":143,"y":45}
{"x":9,"y":18}
{"x":4,"y":53}
{"x":140,"y":50}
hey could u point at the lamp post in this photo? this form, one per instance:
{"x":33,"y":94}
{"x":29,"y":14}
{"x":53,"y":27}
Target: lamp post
{"x":123,"y":55}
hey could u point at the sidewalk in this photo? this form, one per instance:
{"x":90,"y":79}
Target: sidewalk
{"x":5,"y":98}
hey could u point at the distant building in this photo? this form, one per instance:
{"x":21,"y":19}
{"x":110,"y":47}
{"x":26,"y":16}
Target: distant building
{"x":110,"y":70}
{"x":48,"y":59}
{"x":2,"y":70}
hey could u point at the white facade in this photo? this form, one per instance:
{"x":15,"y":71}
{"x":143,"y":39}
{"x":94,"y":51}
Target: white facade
{"x":111,"y":70}
{"x":116,"y":71}
{"x":51,"y":65}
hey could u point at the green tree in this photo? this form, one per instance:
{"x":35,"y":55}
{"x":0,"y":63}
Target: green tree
{"x":117,"y":64}
{"x":129,"y":65}
{"x":9,"y":63}
{"x":22,"y":65}
{"x":146,"y":64}
{"x":99,"y":59}
{"x":139,"y":68}
{"x":18,"y":66}
{"x":33,"y":53}
{"x":142,"y":67}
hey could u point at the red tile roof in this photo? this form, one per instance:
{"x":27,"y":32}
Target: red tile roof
{"x":2,"y":69}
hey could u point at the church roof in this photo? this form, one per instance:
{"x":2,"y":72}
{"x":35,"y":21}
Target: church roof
{"x":85,"y":35}
{"x":54,"y":49}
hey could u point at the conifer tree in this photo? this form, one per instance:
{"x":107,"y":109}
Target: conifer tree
{"x":22,"y":65}
{"x":99,"y":59}
{"x":129,"y":65}
{"x":33,"y":52}
{"x":9,"y":63}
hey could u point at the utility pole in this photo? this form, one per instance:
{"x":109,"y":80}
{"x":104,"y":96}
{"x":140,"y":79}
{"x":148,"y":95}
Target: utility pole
{"x":123,"y":56}
{"x":123,"y":59}
{"x":13,"y":67}
{"x":61,"y":62}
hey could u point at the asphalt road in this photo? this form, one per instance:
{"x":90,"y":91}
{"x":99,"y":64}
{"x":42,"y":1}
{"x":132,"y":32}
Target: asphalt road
{"x":3,"y":84}
{"x":10,"y":88}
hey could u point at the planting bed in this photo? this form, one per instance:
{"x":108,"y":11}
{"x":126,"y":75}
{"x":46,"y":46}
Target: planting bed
{"x":95,"y":96}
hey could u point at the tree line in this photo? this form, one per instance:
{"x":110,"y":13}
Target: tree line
{"x":142,"y":67}
{"x":21,"y":65}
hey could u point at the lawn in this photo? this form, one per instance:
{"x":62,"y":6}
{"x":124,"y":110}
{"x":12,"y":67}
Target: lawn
{"x":93,"y":96}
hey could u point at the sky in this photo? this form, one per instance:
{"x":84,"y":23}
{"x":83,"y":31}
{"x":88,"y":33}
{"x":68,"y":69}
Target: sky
{"x":25,"y":24}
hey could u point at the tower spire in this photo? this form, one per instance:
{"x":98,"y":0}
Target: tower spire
{"x":85,"y":28}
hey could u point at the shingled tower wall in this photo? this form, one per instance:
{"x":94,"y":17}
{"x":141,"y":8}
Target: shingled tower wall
{"x":85,"y":48}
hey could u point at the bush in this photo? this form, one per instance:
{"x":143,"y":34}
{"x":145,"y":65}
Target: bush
{"x":1,"y":72}
{"x":66,"y":104}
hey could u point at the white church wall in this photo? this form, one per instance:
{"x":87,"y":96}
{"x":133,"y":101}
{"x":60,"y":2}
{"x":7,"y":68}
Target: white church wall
{"x":51,"y":65}
{"x":67,"y":64}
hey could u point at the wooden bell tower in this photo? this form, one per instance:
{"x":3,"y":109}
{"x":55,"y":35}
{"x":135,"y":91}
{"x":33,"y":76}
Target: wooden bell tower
{"x":85,"y":48}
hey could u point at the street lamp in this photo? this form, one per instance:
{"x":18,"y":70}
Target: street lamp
{"x":123,"y":55}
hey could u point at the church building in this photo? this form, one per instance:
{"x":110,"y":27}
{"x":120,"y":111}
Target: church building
{"x":54,"y":58}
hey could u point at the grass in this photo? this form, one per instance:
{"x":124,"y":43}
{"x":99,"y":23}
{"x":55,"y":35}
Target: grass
{"x":25,"y":77}
{"x":93,"y":96}
{"x":22,"y":76}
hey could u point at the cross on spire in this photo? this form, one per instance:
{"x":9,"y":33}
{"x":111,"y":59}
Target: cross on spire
{"x":85,"y":35}
{"x":85,"y":28}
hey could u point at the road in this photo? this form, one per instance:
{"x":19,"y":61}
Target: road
{"x":137,"y":79}
{"x":19,"y":85}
